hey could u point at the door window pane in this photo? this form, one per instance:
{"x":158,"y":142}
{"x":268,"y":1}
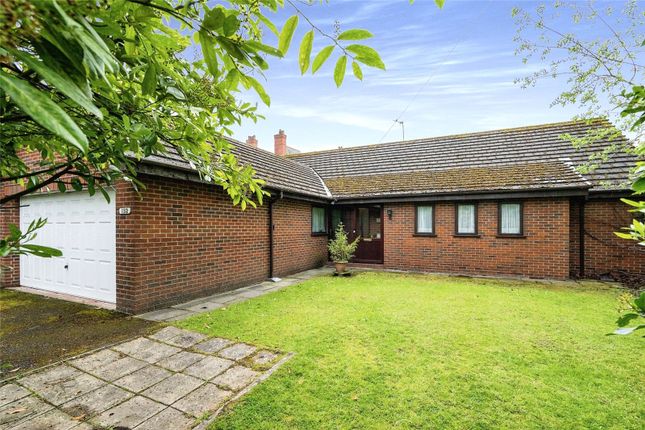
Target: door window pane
{"x":424,"y":219}
{"x":466,"y":219}
{"x":510,"y":218}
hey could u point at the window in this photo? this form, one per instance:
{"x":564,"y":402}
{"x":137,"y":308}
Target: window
{"x":318,"y":220}
{"x":424,"y":220}
{"x":510,"y":219}
{"x":466,"y":222}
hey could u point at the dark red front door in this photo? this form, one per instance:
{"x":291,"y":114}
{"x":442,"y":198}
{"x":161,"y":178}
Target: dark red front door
{"x":366,"y":222}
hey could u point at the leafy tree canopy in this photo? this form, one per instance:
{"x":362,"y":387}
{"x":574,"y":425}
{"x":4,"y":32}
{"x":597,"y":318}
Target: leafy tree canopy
{"x":91,"y":88}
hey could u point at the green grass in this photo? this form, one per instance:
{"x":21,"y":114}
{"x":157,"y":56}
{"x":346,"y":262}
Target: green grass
{"x":385,"y":351}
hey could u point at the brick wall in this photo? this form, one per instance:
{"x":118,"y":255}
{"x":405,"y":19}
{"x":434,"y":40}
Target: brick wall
{"x":185,"y":240}
{"x":606,"y":255}
{"x":544,"y":252}
{"x":295,"y":249}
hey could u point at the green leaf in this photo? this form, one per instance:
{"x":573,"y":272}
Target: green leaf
{"x":320,"y":59}
{"x":271,"y":26}
{"x":149,"y":83}
{"x":305,"y":51}
{"x":76,"y":184}
{"x":356,"y":34}
{"x":43,"y":110}
{"x":639,"y":185}
{"x":286,"y":34}
{"x":42,"y":251}
{"x":440,"y":3}
{"x":213,"y":19}
{"x":367,"y":56}
{"x":264,"y":48}
{"x":208,"y":49}
{"x":60,"y":82}
{"x":61,"y":187}
{"x":356,"y":68}
{"x":231,"y":25}
{"x":625,"y":319}
{"x":339,"y":70}
{"x":258,"y":89}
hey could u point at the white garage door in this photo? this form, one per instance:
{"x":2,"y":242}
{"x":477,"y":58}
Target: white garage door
{"x":84,"y":229}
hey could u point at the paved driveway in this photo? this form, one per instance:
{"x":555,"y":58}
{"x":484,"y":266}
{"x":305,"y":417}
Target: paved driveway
{"x":172,"y":379}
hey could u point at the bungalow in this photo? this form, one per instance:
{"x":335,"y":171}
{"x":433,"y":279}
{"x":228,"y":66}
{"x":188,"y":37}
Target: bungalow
{"x":504,"y":202}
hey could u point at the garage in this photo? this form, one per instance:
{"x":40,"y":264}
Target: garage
{"x":83,"y":227}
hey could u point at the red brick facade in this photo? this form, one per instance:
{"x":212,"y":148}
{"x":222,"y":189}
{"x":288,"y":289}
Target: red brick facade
{"x":184,"y":240}
{"x":605,"y":254}
{"x":542,"y":253}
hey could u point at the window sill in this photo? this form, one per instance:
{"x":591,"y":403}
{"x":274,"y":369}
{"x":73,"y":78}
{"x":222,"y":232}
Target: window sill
{"x":510,"y":236}
{"x":424,"y":235}
{"x":318,"y":234}
{"x":466,"y":235}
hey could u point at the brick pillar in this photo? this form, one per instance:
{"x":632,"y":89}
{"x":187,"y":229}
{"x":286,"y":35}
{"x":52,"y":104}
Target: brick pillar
{"x":280,"y":143}
{"x":252,"y":141}
{"x":9,"y":266}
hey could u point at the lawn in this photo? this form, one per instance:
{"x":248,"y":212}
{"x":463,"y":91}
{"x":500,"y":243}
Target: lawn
{"x":37,"y":330}
{"x":385,"y":351}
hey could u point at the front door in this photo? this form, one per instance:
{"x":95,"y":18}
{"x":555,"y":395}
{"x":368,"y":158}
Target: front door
{"x":365,"y":222}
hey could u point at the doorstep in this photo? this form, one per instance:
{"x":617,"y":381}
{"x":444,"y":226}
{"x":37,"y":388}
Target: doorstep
{"x":206,"y":304}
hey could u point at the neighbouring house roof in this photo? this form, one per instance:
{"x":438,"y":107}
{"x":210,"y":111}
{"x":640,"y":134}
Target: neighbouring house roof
{"x":526,"y":158}
{"x":279,"y":173}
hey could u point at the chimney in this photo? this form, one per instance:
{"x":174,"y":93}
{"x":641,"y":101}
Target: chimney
{"x":252,"y":141}
{"x":280,"y":143}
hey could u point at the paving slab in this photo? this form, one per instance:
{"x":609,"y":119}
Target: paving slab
{"x":164,"y":314}
{"x":172,"y":389}
{"x":60,"y":385}
{"x":206,"y":306}
{"x":264,"y":357}
{"x":180,"y":361}
{"x":204,"y":399}
{"x":96,"y":360}
{"x":236,"y":378}
{"x":237,"y":351}
{"x":252,"y":293}
{"x":147,"y":350}
{"x":187,"y":339}
{"x":167,"y":333}
{"x":143,"y":378}
{"x":212,"y":345}
{"x":168,"y":419}
{"x":54,"y":420}
{"x":18,"y":411}
{"x":119,"y":387}
{"x":130,"y":413}
{"x":95,"y":402}
{"x":12,"y":392}
{"x":209,"y":367}
{"x":121,"y":367}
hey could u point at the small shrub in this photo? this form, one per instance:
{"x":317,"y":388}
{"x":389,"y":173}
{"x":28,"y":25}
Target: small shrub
{"x":340,"y":248}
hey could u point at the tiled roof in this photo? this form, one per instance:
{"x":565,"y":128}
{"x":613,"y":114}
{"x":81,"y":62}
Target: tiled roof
{"x":458,"y":162}
{"x":279,"y":173}
{"x":519,"y":159}
{"x":524,"y":176}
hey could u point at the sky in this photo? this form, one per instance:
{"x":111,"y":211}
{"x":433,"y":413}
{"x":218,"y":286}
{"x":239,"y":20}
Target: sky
{"x":448,"y":71}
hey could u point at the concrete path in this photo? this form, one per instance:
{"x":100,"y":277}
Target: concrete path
{"x":220,"y":300}
{"x":173,"y":379}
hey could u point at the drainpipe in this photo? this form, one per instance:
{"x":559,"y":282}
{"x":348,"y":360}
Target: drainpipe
{"x":272,"y":200}
{"x":581,"y":215}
